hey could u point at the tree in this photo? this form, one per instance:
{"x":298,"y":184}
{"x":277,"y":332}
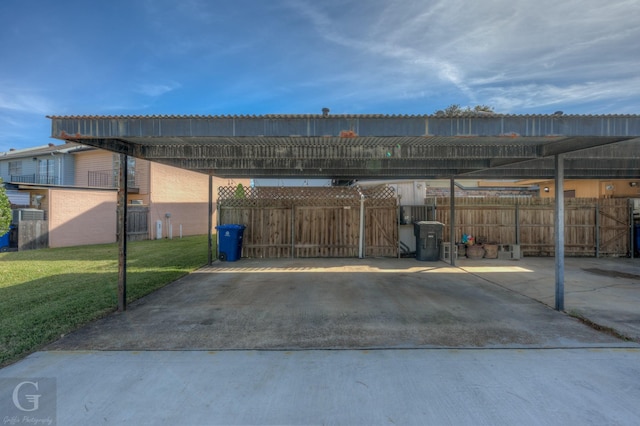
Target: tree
{"x":240,"y":191}
{"x":483,"y":108}
{"x":5,"y":210}
{"x":455,"y":110}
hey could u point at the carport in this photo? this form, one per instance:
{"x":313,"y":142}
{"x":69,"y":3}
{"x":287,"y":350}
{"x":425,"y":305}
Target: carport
{"x":345,"y":147}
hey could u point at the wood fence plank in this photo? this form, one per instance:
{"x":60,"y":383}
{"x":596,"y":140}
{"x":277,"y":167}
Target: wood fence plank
{"x":312,"y":222}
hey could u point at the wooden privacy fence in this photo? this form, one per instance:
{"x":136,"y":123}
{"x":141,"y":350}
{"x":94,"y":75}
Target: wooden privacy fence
{"x":593,"y":227}
{"x":33,"y":234}
{"x":311,"y":221}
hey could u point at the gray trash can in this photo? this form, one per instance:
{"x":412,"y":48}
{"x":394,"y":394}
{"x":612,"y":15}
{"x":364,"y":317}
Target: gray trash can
{"x":428,"y":239}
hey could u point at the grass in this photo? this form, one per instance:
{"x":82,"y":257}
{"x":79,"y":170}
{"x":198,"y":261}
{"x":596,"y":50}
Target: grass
{"x":48,"y":293}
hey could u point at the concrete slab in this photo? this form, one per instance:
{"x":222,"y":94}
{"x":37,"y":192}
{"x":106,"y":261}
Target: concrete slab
{"x":474,"y":387}
{"x":499,"y":309}
{"x":343,"y":303}
{"x":605,"y":291}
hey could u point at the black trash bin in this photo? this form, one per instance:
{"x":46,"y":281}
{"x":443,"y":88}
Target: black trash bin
{"x":428,"y":239}
{"x":230,"y":242}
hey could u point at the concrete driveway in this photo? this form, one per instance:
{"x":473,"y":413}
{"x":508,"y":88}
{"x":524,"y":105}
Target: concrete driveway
{"x":508,"y":358}
{"x":604,"y":291}
{"x":353,"y":303}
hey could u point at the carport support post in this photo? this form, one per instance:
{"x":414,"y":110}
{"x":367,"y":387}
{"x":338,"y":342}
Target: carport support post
{"x":122,"y":233}
{"x":452,"y":222}
{"x":210,"y":225}
{"x":559,"y":231}
{"x":361,"y":237}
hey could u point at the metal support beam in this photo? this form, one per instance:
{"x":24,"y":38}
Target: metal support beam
{"x":293,"y":232}
{"x":597,"y":230}
{"x":632,"y":239}
{"x":452,"y":222}
{"x":559,"y":231}
{"x":122,"y":233}
{"x":210,"y":225}
{"x":361,"y":232}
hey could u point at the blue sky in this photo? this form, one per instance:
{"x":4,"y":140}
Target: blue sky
{"x":139,"y":57}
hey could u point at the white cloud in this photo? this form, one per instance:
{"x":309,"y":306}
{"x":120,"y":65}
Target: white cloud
{"x":540,"y":53}
{"x":20,"y":100}
{"x":539,"y":95}
{"x":154,"y":90}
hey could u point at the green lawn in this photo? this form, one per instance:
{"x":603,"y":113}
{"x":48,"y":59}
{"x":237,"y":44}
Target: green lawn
{"x":47,"y":293}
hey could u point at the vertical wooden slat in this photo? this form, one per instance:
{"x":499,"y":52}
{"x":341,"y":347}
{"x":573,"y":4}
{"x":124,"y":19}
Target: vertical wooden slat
{"x":328,"y":225}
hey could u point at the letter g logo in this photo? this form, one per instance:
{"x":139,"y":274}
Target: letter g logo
{"x":33,"y":399}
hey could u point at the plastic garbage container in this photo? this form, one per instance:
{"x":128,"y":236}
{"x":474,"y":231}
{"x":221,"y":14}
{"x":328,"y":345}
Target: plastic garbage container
{"x":4,"y":242}
{"x":230,"y":242}
{"x":428,"y":239}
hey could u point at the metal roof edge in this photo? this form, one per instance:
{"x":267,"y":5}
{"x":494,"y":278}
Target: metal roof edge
{"x":26,"y":185}
{"x":36,"y":151}
{"x":321,"y":116}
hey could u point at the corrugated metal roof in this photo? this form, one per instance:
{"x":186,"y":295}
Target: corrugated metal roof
{"x":370,"y":145}
{"x":336,"y":125}
{"x":289,"y":116}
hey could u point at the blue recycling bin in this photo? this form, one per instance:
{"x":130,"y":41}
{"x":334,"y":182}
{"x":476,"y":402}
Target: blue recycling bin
{"x":5,"y":241}
{"x":230,"y":242}
{"x":637,"y":239}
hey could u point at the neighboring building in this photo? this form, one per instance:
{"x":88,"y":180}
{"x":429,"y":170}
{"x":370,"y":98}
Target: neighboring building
{"x":291,"y":182}
{"x":76,"y":187}
{"x":588,"y":188}
{"x":49,"y":165}
{"x":415,"y":192}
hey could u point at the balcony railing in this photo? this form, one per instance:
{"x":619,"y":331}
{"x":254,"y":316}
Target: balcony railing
{"x":34,"y":178}
{"x":107,"y":179}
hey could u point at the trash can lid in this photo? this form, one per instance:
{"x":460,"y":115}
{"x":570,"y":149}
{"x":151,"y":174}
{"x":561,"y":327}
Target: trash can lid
{"x":230,"y":226}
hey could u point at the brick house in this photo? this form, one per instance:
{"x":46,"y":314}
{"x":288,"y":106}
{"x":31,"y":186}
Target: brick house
{"x":75,"y":186}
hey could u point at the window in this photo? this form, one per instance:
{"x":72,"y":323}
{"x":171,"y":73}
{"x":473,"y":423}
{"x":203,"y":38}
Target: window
{"x":46,"y":172}
{"x":131,"y":170}
{"x":15,"y":168}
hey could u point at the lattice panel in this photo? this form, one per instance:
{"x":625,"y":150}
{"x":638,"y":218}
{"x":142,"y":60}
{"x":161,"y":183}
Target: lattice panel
{"x":311,"y":222}
{"x":379,"y":196}
{"x":242,"y":196}
{"x":379,"y":192}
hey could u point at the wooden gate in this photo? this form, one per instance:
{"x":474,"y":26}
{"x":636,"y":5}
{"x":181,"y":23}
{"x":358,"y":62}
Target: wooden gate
{"x":137,"y":223}
{"x":381,"y":223}
{"x":612,"y":227}
{"x":311,"y":222}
